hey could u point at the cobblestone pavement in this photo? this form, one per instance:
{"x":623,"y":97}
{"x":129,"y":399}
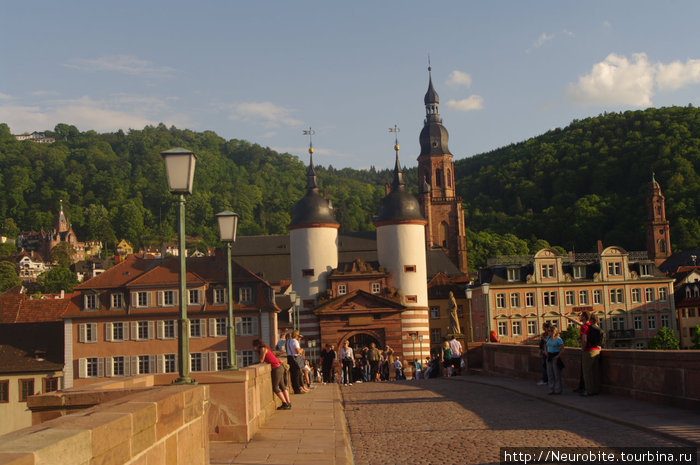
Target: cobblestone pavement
{"x":440,"y":421}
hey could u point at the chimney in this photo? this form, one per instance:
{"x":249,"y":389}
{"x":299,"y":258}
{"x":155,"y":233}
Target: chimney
{"x":600,"y":246}
{"x":571,"y":256}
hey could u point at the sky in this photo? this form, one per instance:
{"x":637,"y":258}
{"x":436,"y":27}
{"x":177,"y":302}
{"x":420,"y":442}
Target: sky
{"x":264,"y":71}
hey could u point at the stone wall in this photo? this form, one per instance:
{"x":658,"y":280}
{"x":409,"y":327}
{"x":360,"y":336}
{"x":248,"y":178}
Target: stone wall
{"x":161,"y":425}
{"x":669,"y":377}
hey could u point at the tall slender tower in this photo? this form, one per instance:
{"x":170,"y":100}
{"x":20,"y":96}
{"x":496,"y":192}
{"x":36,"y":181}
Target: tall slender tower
{"x":658,"y":229}
{"x":313,"y":235}
{"x":439,"y":204}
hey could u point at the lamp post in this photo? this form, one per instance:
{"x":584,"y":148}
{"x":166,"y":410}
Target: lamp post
{"x":228,"y":224}
{"x":485,"y":290}
{"x":413,"y":338}
{"x":179,"y":166}
{"x":297,"y":307}
{"x":468,"y":294}
{"x":420,"y":341}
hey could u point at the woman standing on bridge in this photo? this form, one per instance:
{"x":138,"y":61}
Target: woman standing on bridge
{"x":554,"y":347}
{"x":279,"y":381}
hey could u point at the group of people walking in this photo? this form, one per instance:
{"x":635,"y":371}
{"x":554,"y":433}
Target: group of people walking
{"x":364,"y":365}
{"x":551,"y":346}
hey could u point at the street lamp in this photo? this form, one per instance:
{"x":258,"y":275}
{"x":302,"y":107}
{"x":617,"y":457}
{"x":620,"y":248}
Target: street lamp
{"x":420,"y":341}
{"x":228,"y":224}
{"x":485,"y":290}
{"x":468,"y":294}
{"x":179,"y":166}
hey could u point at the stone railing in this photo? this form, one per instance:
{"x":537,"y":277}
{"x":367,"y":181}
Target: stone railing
{"x":166,"y":424}
{"x":669,"y":377}
{"x":131,"y":421}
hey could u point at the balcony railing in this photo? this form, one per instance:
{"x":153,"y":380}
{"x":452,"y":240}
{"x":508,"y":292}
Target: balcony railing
{"x":621,"y":334}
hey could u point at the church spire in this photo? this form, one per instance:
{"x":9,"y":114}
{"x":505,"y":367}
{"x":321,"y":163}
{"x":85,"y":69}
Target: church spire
{"x":398,"y":183}
{"x":311,"y":183}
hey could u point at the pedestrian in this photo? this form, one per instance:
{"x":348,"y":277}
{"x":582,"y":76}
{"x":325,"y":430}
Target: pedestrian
{"x":364,"y":364}
{"x":456,"y":350}
{"x":554,"y":348}
{"x":347,"y":357}
{"x":279,"y":380}
{"x":294,"y":351}
{"x":583,"y":328}
{"x":282,"y":340}
{"x":398,"y":368}
{"x":543,"y":353}
{"x":327,"y":358}
{"x":447,"y":358}
{"x":591,"y":357}
{"x":417,"y":369}
{"x":374,"y":357}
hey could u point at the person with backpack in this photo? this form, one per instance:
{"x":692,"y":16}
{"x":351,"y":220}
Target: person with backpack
{"x":591,"y":342}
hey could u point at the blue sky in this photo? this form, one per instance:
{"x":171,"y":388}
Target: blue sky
{"x":265,"y":70}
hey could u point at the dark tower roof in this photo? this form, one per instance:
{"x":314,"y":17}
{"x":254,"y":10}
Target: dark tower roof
{"x":433,"y":138}
{"x":312,"y":208}
{"x":398,"y":205}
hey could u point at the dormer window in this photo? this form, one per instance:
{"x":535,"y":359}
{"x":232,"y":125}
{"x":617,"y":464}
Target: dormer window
{"x":547,"y":270}
{"x":342,"y":289}
{"x":579,"y":271}
{"x":513,"y":274}
{"x":645,"y":269}
{"x":91,"y":302}
{"x":614,"y":269}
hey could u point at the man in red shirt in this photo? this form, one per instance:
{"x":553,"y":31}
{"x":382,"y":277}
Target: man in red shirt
{"x":590,"y":344}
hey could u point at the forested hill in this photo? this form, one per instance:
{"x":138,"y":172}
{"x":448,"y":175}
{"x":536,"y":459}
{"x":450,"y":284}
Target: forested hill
{"x":569,"y":186}
{"x":589,"y":181}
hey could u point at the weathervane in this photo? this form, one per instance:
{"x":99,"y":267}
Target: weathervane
{"x":396,"y":130}
{"x":310,"y":132}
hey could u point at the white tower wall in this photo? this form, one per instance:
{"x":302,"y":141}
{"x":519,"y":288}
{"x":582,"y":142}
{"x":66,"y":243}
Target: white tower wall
{"x":401,"y":245}
{"x":316,"y":249}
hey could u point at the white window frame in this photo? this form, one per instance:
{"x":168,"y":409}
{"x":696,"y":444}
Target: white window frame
{"x":513,"y":274}
{"x":501,"y":300}
{"x":194,"y":297}
{"x":618,"y":322}
{"x":245,"y":358}
{"x":516,"y":328}
{"x":91,"y":301}
{"x":376,"y":288}
{"x":503,"y":328}
{"x":570,"y":298}
{"x":515,"y":300}
{"x":87,"y":333}
{"x":246,"y":326}
{"x":651,"y":322}
{"x":245,"y":295}
{"x":638,"y":323}
{"x":583,"y":297}
{"x":197,"y":330}
{"x":614,"y":269}
{"x":636,"y":295}
{"x":531,"y":327}
{"x":597,"y":297}
{"x":142,"y":299}
{"x":579,"y":271}
{"x":434,"y":312}
{"x":649,"y":294}
{"x":168,"y":298}
{"x":663,"y":294}
{"x":221,"y":360}
{"x":116,"y":300}
{"x":547,"y":270}
{"x":645,"y":269}
{"x":342,"y":289}
{"x":529,"y":299}
{"x":665,"y":321}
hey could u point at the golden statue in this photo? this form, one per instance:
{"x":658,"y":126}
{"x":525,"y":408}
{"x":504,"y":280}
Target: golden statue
{"x":454,"y":322}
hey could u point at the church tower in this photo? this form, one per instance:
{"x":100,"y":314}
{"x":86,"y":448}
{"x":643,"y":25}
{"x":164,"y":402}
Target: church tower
{"x":313,"y":236}
{"x":658,"y":230}
{"x":439,"y":205}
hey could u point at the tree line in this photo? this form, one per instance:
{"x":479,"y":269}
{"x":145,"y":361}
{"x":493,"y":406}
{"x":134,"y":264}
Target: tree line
{"x":568,"y":187}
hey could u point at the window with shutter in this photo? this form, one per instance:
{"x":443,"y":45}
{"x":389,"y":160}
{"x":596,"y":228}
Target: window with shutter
{"x":108,"y":332}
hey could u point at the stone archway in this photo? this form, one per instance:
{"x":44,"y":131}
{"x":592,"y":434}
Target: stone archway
{"x":362,"y":338}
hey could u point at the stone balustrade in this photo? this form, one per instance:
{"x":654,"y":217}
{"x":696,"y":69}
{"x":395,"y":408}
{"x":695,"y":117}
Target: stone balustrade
{"x":669,"y":377}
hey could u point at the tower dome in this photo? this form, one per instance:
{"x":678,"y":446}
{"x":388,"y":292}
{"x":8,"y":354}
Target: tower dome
{"x":312,"y":208}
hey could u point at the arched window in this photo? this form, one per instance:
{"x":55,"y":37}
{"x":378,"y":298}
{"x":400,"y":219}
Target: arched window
{"x":662,"y":246}
{"x":449,"y":178}
{"x":438,"y":177}
{"x":443,"y":234}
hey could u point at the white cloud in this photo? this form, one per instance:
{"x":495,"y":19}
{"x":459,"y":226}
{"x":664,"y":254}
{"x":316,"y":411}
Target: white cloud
{"x":124,"y":64}
{"x":5,"y":96}
{"x":473,"y":102}
{"x":616,"y":80}
{"x":271,"y":115}
{"x":459,"y":78}
{"x":88,"y":114}
{"x":675,"y":75}
{"x":544,"y":37}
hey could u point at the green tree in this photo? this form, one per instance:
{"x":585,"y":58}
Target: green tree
{"x":571,"y":336}
{"x":664,"y":340}
{"x":8,"y":276}
{"x":62,"y":253}
{"x":7,"y":250}
{"x":9,"y":228}
{"x":57,"y":279}
{"x":696,"y":337}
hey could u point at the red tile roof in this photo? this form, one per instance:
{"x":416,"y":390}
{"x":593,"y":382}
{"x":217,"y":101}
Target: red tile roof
{"x":22,"y":309}
{"x":120,"y":274}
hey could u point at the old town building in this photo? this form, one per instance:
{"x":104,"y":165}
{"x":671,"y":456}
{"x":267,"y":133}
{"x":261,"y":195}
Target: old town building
{"x":630,"y":296}
{"x":124,"y":321}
